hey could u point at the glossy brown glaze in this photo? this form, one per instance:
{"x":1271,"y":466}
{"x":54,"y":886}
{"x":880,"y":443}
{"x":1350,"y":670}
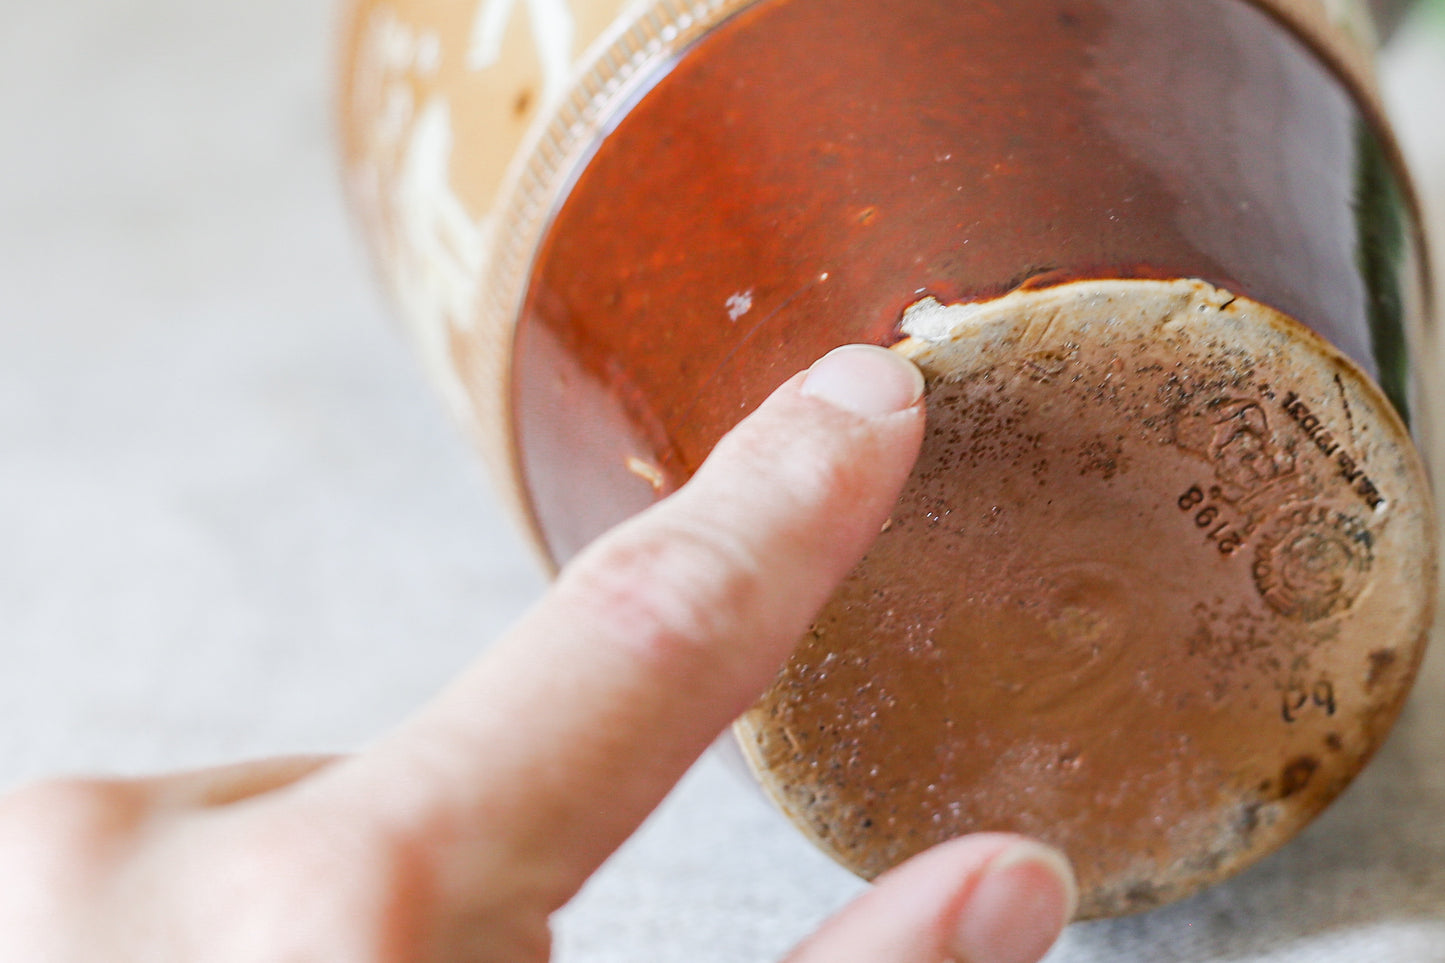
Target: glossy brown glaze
{"x":813,"y":168}
{"x":825,"y":161}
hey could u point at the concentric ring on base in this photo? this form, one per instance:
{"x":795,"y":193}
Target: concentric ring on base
{"x":1154,"y":593}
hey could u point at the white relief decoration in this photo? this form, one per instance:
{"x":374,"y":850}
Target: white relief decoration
{"x":553,"y":31}
{"x":434,"y":251}
{"x":1353,"y":17}
{"x":441,"y":249}
{"x":428,"y":57}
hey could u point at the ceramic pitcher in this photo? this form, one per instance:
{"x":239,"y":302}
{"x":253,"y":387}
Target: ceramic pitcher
{"x":1164,"y":572}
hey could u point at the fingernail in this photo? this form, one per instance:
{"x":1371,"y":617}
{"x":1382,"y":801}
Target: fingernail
{"x":1019,"y":908}
{"x":865,"y":379}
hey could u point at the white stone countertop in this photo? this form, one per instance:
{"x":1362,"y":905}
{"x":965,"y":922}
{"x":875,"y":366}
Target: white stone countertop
{"x":235,"y":522}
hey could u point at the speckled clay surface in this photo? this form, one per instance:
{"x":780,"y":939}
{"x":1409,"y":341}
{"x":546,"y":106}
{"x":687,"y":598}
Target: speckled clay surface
{"x":1155,"y":592}
{"x":237,"y":523}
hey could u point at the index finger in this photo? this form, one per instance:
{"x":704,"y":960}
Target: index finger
{"x":552,"y":748}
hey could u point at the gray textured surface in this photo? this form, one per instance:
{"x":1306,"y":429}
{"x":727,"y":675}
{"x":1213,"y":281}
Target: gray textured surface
{"x":234,"y":522}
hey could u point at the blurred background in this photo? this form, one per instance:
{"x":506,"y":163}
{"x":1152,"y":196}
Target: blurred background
{"x":235,"y":522}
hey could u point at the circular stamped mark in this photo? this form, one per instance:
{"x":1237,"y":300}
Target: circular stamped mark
{"x":1313,"y":562}
{"x":1155,"y":590}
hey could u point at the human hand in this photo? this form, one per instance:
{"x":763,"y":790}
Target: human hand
{"x":455,"y":837}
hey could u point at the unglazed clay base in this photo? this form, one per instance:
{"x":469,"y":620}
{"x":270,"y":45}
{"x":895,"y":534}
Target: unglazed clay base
{"x":1154,"y":593}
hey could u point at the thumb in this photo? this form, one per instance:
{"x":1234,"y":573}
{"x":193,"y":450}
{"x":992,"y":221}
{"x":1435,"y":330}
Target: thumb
{"x":987,"y":898}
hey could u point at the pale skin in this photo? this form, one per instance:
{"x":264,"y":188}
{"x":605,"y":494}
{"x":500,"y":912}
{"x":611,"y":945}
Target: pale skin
{"x":456,"y":837}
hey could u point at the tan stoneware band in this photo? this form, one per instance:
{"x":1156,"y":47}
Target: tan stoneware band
{"x":461,"y":124}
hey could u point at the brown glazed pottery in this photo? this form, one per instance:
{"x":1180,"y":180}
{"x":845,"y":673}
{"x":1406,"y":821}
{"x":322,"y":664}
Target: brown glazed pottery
{"x":1163,"y":575}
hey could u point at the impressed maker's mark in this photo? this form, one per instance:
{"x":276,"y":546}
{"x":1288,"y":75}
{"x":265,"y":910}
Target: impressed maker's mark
{"x":1349,"y":466}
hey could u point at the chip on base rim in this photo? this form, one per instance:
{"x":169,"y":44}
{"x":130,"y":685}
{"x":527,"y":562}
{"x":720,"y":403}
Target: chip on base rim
{"x":1154,"y":594}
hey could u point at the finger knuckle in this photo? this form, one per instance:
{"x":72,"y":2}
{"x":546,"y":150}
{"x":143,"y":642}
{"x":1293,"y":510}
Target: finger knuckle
{"x":71,"y":809}
{"x":63,"y":836}
{"x":345,"y":893}
{"x":812,"y":469}
{"x":666,"y":590}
